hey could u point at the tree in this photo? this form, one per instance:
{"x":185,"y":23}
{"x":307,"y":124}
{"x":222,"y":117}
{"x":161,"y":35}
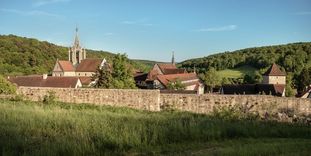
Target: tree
{"x":247,"y":79}
{"x":258,"y":77}
{"x":103,"y":77}
{"x":211,"y":79}
{"x":225,"y":81}
{"x":119,"y":76}
{"x":122,"y":73}
{"x":304,"y":79}
{"x":6,"y":87}
{"x":176,"y":85}
{"x":289,"y":91}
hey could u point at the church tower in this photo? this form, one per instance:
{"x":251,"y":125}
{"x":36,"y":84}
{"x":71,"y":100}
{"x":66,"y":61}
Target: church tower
{"x":76,"y":53}
{"x":173,"y":58}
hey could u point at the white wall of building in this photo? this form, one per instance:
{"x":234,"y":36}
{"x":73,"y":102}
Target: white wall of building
{"x":274,"y":80}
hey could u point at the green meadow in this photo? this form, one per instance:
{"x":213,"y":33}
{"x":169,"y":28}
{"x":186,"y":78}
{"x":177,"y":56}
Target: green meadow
{"x":37,"y":128}
{"x":237,"y":72}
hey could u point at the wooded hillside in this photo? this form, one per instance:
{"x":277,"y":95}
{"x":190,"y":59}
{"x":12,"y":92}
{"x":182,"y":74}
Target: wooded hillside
{"x":21,"y":55}
{"x":292,"y":58}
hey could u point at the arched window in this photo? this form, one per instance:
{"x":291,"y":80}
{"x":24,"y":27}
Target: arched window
{"x":77,"y":56}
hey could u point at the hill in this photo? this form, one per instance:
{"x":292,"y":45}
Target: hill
{"x":292,"y":58}
{"x":288,"y":56}
{"x":21,"y":55}
{"x":149,"y":64}
{"x":36,"y":128}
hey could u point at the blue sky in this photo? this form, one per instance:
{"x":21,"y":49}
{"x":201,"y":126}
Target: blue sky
{"x":152,"y":29}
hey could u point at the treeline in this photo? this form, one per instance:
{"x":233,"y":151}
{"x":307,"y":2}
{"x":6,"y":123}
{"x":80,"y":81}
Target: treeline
{"x":24,"y":56}
{"x":292,"y":58}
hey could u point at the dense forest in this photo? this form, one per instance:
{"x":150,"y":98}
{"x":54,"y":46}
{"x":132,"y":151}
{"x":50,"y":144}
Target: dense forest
{"x":292,"y":58}
{"x":24,"y":56}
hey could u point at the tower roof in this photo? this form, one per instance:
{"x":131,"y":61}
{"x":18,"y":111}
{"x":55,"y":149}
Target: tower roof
{"x":76,"y":41}
{"x":274,"y":70}
{"x":173,"y":58}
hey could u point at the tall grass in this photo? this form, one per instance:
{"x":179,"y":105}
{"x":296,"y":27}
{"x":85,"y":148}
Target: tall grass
{"x":29,"y":128}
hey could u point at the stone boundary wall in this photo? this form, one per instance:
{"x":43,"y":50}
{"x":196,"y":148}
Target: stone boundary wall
{"x":153,"y":100}
{"x":138,"y":99}
{"x":248,"y":103}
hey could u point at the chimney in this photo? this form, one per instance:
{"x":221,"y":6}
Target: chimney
{"x":45,"y":76}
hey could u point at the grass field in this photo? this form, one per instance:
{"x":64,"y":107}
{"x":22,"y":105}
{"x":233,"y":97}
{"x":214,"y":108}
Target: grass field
{"x":35,"y":128}
{"x":237,"y":72}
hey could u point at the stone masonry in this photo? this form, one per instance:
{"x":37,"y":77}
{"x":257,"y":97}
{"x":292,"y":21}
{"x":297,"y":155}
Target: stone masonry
{"x":153,"y":100}
{"x":138,"y":99}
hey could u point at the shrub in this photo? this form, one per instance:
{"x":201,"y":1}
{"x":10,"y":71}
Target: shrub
{"x":239,"y":112}
{"x":49,"y":98}
{"x":17,"y":98}
{"x":6,"y":87}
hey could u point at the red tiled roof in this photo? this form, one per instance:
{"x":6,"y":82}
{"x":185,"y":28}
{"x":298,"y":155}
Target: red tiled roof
{"x":165,"y":79}
{"x":85,"y":80}
{"x":66,"y":65}
{"x":279,"y":88}
{"x":166,"y":66}
{"x":173,"y":71}
{"x":50,"y":81}
{"x":89,"y":65}
{"x":152,"y":75}
{"x":34,"y":81}
{"x":274,"y":70}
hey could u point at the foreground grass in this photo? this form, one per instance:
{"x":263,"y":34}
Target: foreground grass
{"x":29,"y":128}
{"x":237,"y":72}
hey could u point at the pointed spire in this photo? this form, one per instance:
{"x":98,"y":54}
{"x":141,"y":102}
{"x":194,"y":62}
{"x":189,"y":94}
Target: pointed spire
{"x":194,"y":70}
{"x":76,"y":42}
{"x":173,"y":58}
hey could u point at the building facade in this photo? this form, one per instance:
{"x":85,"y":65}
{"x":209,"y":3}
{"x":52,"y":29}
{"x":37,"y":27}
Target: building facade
{"x":77,"y":64}
{"x":274,"y":76}
{"x":164,"y":74}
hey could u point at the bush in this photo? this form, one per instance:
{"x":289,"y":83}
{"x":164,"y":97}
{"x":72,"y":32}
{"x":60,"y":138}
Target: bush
{"x":6,"y":87}
{"x":17,"y":98}
{"x":239,"y":112}
{"x":50,"y":98}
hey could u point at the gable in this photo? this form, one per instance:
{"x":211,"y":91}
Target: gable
{"x":66,"y":65}
{"x":57,"y":67}
{"x":156,"y":69}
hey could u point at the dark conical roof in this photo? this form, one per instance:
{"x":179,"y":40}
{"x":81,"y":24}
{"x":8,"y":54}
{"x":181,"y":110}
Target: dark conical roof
{"x":274,"y":70}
